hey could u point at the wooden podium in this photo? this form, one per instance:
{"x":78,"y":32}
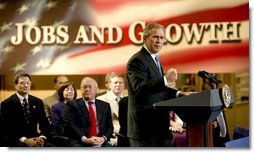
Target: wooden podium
{"x":198,"y":111}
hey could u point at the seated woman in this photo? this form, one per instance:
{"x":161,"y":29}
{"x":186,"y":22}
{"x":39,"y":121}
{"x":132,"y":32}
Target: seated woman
{"x":66,"y":93}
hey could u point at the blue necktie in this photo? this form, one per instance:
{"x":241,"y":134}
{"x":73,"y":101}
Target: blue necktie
{"x":158,"y":64}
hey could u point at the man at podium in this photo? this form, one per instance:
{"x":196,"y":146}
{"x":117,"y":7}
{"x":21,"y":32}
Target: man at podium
{"x":147,"y":85}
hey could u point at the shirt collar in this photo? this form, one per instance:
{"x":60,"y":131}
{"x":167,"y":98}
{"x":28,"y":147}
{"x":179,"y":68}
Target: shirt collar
{"x":86,"y":101}
{"x":114,"y":96}
{"x":152,"y":54}
{"x":21,"y":98}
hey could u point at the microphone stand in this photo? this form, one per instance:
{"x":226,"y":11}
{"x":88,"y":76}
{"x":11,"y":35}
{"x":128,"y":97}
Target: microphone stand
{"x":209,"y":126}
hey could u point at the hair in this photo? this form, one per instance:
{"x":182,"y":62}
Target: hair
{"x":61,"y":89}
{"x":151,"y":26}
{"x":55,"y":79}
{"x":17,"y":76}
{"x":115,"y":75}
{"x":89,"y":79}
{"x":109,"y":76}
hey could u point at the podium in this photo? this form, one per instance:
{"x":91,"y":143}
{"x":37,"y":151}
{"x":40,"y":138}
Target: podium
{"x":198,"y":111}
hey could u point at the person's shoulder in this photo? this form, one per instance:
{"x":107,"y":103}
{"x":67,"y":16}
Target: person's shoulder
{"x":10,"y":99}
{"x":60,"y":103}
{"x":74,"y":102}
{"x":49,"y":98}
{"x":101,"y":93}
{"x":102,"y":97}
{"x":137,"y":54}
{"x":101,"y":102}
{"x":34,"y":98}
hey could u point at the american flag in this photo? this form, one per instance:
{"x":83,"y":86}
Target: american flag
{"x":70,"y":58}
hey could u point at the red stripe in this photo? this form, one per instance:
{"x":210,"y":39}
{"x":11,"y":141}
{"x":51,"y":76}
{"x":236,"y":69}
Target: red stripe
{"x":216,"y":58}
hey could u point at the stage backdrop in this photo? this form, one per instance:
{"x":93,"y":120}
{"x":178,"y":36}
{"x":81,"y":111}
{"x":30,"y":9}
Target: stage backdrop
{"x":44,"y":37}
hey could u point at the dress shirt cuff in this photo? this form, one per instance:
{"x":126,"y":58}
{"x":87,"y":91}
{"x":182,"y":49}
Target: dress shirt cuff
{"x":165,"y":81}
{"x":41,"y":136}
{"x":83,"y":138}
{"x":22,"y":139}
{"x":178,"y":93}
{"x":105,"y":138}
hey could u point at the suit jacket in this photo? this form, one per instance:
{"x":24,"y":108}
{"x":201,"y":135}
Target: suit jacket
{"x":123,"y":112}
{"x":48,"y":103}
{"x":14,"y":122}
{"x":57,"y":115}
{"x":77,"y":121}
{"x":146,"y":87}
{"x":110,"y":98}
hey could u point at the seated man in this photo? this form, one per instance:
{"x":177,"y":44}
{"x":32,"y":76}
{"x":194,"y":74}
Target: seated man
{"x":88,"y":121}
{"x":21,"y":113}
{"x":113,"y":97}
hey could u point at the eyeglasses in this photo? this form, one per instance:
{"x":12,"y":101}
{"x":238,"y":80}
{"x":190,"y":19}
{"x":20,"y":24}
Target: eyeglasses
{"x":24,"y":83}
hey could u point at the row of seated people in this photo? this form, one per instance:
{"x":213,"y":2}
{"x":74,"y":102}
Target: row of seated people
{"x":13,"y":115}
{"x":21,"y":113}
{"x":115,"y":84}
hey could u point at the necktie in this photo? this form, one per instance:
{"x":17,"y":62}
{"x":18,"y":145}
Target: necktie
{"x":222,"y":125}
{"x":92,"y":131}
{"x":158,"y":64}
{"x":26,"y":110}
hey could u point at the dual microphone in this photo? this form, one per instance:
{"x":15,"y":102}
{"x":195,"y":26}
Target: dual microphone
{"x":205,"y":75}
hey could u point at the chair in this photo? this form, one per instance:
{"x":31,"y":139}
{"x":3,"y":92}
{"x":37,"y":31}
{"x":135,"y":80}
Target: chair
{"x":240,"y":132}
{"x":240,"y":142}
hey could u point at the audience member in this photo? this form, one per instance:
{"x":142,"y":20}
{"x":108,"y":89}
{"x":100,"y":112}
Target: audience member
{"x":113,"y":96}
{"x":21,"y":113}
{"x":88,"y":121}
{"x":54,"y":98}
{"x":66,"y":93}
{"x":107,"y":81}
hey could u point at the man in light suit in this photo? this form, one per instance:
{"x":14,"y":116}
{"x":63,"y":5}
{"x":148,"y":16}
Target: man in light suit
{"x":147,"y":85}
{"x":113,"y":96}
{"x":20,"y":126}
{"x":77,"y":123}
{"x":54,"y":98}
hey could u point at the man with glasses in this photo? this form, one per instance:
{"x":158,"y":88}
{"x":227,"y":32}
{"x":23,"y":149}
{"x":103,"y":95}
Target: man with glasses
{"x":21,"y":113}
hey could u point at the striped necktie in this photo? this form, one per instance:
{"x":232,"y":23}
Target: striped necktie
{"x":26,"y":110}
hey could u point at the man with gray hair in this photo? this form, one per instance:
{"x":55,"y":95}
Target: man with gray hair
{"x":88,"y":121}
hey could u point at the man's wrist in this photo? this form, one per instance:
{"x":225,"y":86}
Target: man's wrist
{"x":105,"y":138}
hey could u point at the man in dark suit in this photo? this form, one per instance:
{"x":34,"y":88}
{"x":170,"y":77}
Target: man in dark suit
{"x":147,"y":85}
{"x":78,"y":122}
{"x":20,"y":119}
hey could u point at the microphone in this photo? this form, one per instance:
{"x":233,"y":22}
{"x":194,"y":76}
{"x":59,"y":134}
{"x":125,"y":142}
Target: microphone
{"x":205,"y":75}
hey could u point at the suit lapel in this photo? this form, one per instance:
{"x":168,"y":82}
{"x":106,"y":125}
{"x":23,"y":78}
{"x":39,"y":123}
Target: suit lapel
{"x":99,"y":108}
{"x":83,"y":108}
{"x":151,"y":62}
{"x":18,"y":103}
{"x":32,"y":104}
